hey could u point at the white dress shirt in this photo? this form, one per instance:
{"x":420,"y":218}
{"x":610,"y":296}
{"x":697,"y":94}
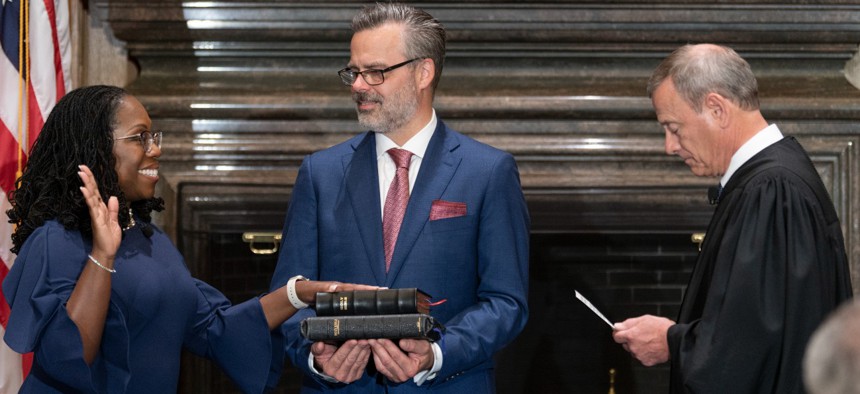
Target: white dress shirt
{"x":417,"y":145}
{"x":764,"y":138}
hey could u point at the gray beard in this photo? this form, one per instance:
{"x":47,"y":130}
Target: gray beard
{"x":392,"y":113}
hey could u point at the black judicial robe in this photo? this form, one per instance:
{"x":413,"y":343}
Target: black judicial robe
{"x":772,"y":266}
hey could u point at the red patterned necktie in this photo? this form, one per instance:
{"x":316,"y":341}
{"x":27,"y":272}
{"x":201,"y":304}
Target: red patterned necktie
{"x":395,"y":202}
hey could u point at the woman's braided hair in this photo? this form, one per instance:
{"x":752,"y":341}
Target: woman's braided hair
{"x":79,"y":130}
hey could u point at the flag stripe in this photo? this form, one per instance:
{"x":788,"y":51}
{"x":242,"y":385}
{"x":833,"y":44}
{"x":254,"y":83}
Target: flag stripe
{"x":49,"y":79}
{"x":9,"y":151}
{"x":9,"y":97}
{"x":34,"y":119}
{"x":47,"y":83}
{"x":58,"y":16}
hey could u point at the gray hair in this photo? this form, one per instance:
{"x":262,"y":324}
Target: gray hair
{"x":697,"y":70}
{"x":424,"y":38}
{"x":831,"y":364}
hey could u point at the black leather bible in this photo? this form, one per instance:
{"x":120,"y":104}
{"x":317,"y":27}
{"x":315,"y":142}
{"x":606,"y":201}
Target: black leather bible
{"x":341,"y":328}
{"x":372,"y":302}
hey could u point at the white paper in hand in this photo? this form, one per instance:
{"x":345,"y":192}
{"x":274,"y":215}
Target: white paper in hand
{"x":592,"y":307}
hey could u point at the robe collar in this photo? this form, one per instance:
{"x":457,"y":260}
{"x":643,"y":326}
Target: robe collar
{"x":764,"y":138}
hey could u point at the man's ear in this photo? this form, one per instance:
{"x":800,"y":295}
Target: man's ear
{"x":718,"y":108}
{"x":425,"y":74}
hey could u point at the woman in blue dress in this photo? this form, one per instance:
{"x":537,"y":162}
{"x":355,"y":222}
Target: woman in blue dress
{"x":100,"y":295}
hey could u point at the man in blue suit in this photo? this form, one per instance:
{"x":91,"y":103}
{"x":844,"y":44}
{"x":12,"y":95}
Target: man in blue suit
{"x":463,"y":236}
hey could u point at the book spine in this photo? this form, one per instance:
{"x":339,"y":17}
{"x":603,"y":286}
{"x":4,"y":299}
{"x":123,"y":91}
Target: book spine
{"x":341,"y":328}
{"x":370,"y":302}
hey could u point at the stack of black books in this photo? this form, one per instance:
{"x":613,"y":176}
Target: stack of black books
{"x":365,"y":314}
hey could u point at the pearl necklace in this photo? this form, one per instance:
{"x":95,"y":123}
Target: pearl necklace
{"x":131,"y":221}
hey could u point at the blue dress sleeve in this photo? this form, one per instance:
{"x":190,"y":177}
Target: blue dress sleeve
{"x":37,"y":289}
{"x":238,"y":339}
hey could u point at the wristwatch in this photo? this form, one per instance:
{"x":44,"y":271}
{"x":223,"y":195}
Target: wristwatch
{"x":291,"y":292}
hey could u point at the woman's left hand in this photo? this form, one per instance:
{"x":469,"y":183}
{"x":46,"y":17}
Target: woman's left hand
{"x":307,"y":289}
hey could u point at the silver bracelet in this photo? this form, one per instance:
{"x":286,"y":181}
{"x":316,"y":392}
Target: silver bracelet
{"x":292,"y":295}
{"x":93,"y":259}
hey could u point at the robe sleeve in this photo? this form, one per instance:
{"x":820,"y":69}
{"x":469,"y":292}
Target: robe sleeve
{"x":238,"y":339}
{"x":37,"y":289}
{"x":774,"y":278}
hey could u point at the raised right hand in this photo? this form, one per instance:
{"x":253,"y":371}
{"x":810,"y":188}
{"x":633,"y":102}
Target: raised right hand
{"x":107,"y":233}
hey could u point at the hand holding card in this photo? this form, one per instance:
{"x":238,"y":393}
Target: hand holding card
{"x":593,"y":308}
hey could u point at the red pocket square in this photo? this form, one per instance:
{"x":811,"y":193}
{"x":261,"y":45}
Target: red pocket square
{"x":442,"y":209}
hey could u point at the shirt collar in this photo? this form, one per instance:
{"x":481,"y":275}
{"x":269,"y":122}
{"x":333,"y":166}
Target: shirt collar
{"x":417,"y":144}
{"x":764,"y":138}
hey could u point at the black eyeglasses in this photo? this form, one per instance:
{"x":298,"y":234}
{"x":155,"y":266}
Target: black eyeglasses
{"x":373,"y":77}
{"x":147,"y":139}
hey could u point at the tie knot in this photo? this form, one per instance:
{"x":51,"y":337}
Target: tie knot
{"x":400,"y":156}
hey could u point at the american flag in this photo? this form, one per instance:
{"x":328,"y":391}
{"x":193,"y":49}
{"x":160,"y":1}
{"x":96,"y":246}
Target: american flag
{"x":34,"y":74}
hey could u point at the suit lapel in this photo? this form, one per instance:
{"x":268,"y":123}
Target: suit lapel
{"x":437,"y":168}
{"x":362,"y":186}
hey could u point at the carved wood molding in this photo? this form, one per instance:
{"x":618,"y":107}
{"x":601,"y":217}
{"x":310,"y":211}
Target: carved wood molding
{"x":826,"y":26}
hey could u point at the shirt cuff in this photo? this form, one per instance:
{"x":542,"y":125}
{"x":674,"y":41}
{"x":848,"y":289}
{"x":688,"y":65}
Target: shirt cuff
{"x":320,"y":374}
{"x":424,"y":376}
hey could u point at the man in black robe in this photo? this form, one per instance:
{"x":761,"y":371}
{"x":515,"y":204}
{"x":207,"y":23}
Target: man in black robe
{"x":773,"y":263}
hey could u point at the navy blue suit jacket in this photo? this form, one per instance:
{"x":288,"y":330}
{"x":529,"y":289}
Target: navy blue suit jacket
{"x":478,"y":262}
